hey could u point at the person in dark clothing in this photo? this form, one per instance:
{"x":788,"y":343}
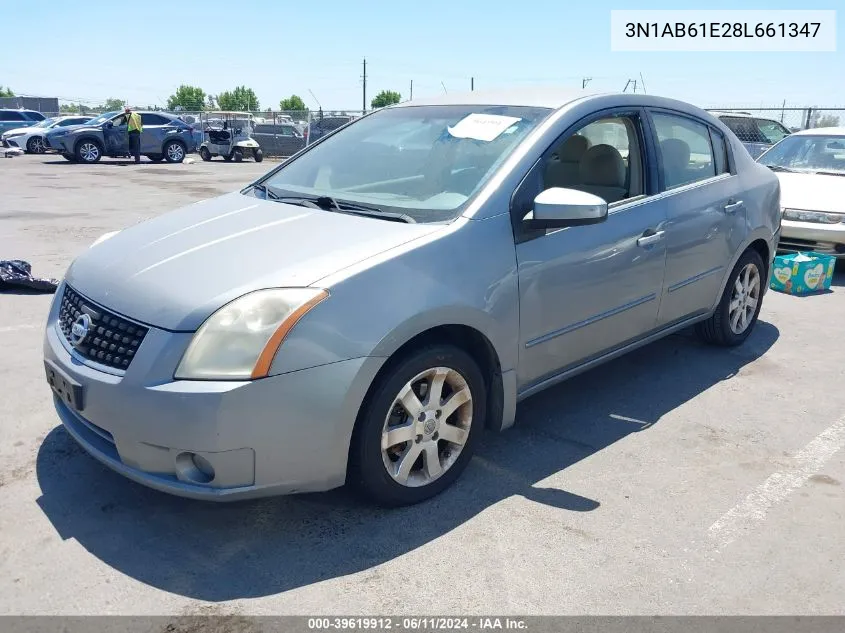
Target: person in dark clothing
{"x":134,"y":127}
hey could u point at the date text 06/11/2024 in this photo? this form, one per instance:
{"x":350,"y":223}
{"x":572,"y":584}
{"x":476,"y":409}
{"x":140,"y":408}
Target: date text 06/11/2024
{"x":721,"y":29}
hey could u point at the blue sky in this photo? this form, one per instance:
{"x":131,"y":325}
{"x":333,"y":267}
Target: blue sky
{"x":140,"y":51}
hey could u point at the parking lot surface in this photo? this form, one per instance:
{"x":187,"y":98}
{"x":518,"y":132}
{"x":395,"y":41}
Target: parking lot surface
{"x":681,"y":479}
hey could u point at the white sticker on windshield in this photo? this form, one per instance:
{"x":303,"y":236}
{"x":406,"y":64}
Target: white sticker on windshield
{"x":482,"y":127}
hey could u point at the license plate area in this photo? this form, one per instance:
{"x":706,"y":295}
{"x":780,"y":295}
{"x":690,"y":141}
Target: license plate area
{"x":70,"y":391}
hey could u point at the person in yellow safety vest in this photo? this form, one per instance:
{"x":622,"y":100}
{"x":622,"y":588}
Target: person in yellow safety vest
{"x":134,"y":127}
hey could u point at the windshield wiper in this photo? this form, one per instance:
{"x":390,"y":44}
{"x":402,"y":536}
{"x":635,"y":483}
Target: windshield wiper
{"x":327,"y":203}
{"x":831,"y":173}
{"x":268,"y":193}
{"x":781,"y":168}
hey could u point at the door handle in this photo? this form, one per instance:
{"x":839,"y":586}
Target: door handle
{"x":650,"y":237}
{"x":733,"y":206}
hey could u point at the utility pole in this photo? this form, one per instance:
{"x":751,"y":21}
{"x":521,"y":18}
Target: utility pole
{"x":585,"y":81}
{"x":412,"y":90}
{"x":628,"y":83}
{"x":444,"y":88}
{"x":364,"y":108}
{"x":472,"y":83}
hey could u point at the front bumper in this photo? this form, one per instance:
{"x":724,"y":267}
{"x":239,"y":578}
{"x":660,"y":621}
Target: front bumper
{"x":283,"y":434}
{"x":56,"y":144}
{"x":828,"y":239}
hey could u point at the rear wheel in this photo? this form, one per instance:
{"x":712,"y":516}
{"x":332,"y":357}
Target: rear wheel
{"x":417,"y":433}
{"x":238,"y":154}
{"x":88,"y":151}
{"x":258,"y":155}
{"x":205,"y":154}
{"x":35,"y":145}
{"x":174,"y":152}
{"x":156,"y":158}
{"x":227,"y":157}
{"x":740,"y":304}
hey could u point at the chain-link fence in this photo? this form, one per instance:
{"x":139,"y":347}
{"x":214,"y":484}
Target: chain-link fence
{"x":279,"y":133}
{"x":794,"y":119}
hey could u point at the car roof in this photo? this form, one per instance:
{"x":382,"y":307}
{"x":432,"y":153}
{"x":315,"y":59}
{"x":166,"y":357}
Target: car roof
{"x":737,"y":114}
{"x":821,"y":131}
{"x":18,"y":110}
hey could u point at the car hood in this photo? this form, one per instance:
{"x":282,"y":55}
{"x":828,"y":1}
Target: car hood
{"x":17,"y":130}
{"x":173,"y":271}
{"x":74,"y":128}
{"x":812,"y":192}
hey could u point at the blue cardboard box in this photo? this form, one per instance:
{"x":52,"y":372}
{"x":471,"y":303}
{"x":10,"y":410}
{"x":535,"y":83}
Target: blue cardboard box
{"x":802,"y":273}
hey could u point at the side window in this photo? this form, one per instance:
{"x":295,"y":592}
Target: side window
{"x":11,"y":116}
{"x":684,"y":150}
{"x":67,"y":122}
{"x":720,"y":152}
{"x":603,"y":158}
{"x":148,"y":118}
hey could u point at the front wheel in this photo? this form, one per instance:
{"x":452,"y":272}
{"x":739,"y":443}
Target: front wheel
{"x":238,"y":155}
{"x":174,"y":152}
{"x":35,"y":145}
{"x":88,"y":151}
{"x":417,"y":433}
{"x":739,"y":307}
{"x":258,"y":155}
{"x":205,"y":154}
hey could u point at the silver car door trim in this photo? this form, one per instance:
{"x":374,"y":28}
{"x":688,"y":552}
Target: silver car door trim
{"x":732,"y":207}
{"x":694,"y":278}
{"x":590,"y":320}
{"x":608,"y":356}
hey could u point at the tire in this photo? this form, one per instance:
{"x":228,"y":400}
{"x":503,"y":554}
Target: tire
{"x":35,"y":145}
{"x":720,"y":328}
{"x":88,"y":151}
{"x":174,"y":151}
{"x":368,"y":463}
{"x":156,"y":158}
{"x":205,"y":154}
{"x":227,"y":157}
{"x":238,"y":155}
{"x":69,"y":157}
{"x":258,"y":155}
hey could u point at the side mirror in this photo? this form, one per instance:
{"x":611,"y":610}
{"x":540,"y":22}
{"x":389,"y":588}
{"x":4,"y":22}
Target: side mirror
{"x":558,"y":207}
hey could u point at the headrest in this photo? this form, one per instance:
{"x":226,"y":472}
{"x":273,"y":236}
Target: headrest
{"x":573,"y":149}
{"x":603,"y":165}
{"x":676,"y":153}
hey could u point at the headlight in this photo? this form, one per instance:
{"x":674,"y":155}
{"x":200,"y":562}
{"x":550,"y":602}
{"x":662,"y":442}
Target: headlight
{"x":15,"y":135}
{"x":821,"y":217}
{"x":240,"y":340}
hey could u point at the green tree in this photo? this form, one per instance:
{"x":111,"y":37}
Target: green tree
{"x":187,"y":98}
{"x":6,"y":92}
{"x":385,"y":98}
{"x":112,"y":103}
{"x":241,"y":98}
{"x":70,"y":108}
{"x":827,"y":120}
{"x":293,"y":103}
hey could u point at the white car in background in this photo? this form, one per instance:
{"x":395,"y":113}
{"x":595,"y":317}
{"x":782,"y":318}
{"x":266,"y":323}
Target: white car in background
{"x":811,"y":167}
{"x":31,"y":139}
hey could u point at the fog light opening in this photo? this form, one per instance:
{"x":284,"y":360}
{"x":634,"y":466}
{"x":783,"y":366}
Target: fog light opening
{"x":194,"y":468}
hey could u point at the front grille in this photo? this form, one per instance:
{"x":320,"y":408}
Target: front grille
{"x":111,"y":340}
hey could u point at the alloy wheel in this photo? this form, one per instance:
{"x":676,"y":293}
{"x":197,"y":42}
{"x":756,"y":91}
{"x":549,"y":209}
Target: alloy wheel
{"x":427,"y":426}
{"x":744,"y":298}
{"x":89,"y":152}
{"x":175,"y":152}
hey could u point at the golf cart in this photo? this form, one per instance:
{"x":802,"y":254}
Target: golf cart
{"x":229,"y":134}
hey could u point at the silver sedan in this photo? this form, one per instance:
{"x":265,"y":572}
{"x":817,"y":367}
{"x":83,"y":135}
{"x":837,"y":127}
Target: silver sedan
{"x":364,"y":311}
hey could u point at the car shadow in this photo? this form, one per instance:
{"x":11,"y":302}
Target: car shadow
{"x":217,"y":552}
{"x":838,"y":275}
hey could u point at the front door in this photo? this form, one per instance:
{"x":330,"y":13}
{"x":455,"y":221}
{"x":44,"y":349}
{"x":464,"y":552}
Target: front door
{"x":705,"y":213}
{"x":587,"y":289}
{"x":116,"y":136}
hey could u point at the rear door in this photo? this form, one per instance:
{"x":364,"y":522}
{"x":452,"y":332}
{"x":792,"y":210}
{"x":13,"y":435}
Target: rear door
{"x":152,"y":135}
{"x":705,"y":212}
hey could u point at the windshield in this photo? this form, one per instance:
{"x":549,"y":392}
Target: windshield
{"x":425,"y":162}
{"x":46,"y":122}
{"x":753,"y":130}
{"x":102,"y":118}
{"x":808,"y":153}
